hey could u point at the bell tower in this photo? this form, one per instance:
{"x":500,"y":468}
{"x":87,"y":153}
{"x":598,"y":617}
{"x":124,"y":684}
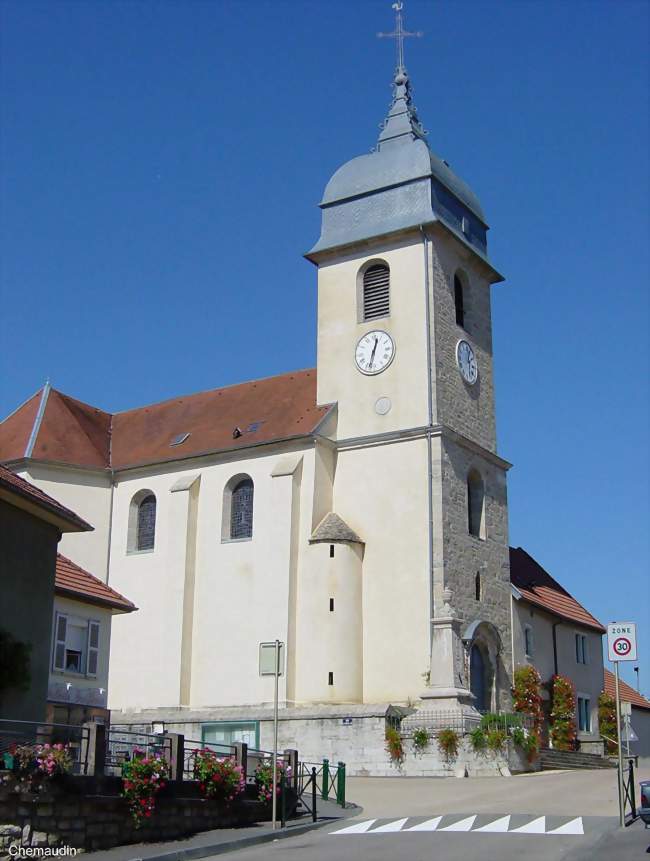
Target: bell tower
{"x":405,"y":350}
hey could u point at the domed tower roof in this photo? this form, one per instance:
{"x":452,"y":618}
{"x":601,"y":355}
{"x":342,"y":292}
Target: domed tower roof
{"x":400,"y":184}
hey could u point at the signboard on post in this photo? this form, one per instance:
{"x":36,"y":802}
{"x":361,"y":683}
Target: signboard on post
{"x":268,"y":657}
{"x":621,"y":641}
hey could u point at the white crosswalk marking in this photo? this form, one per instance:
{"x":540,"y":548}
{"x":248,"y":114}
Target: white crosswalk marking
{"x":499,"y":826}
{"x":359,"y":828}
{"x":429,"y":825}
{"x":390,"y":826}
{"x":463,"y":825}
{"x":572,"y":827}
{"x":537,"y":826}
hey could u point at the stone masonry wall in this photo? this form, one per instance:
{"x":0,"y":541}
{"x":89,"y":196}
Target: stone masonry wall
{"x":469,"y":410}
{"x":465,"y":555}
{"x":100,"y":821}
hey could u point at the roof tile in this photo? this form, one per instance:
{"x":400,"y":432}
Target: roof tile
{"x":231,"y":418}
{"x":538,"y":587}
{"x":74,"y":582}
{"x":26,"y":490}
{"x":628,"y":694}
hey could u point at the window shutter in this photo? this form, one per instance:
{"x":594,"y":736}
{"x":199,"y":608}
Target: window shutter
{"x":60,"y":631}
{"x":578,"y":648}
{"x":585,"y":650}
{"x":376,"y":292}
{"x":93,"y":648}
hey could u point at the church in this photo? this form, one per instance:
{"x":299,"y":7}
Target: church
{"x":356,"y":511}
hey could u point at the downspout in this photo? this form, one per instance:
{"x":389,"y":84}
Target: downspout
{"x":425,"y":243}
{"x":110,"y":513}
{"x":555,"y":624}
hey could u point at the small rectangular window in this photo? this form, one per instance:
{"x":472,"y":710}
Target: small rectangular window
{"x":330,"y":679}
{"x":331,"y":551}
{"x":331,"y":605}
{"x":528,"y":641}
{"x":581,"y":649}
{"x":584,"y":714}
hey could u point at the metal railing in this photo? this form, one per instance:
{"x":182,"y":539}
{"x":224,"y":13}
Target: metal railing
{"x":15,"y":733}
{"x":462,"y":722}
{"x":191,"y":747}
{"x":122,"y":745}
{"x":329,"y":780}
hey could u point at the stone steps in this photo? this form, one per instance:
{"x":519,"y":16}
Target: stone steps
{"x":564,"y":759}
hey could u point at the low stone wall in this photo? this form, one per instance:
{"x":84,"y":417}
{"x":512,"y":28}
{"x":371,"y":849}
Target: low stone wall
{"x":68,"y":818}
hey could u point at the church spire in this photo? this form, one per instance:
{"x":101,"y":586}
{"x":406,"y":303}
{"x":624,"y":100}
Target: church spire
{"x":402,"y":123}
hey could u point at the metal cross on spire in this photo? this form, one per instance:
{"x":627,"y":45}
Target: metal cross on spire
{"x":399,"y":34}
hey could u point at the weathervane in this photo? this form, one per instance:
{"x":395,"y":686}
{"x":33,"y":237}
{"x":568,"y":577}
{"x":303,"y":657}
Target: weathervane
{"x":399,"y":34}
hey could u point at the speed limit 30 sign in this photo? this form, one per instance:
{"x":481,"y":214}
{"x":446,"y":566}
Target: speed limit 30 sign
{"x":621,"y":641}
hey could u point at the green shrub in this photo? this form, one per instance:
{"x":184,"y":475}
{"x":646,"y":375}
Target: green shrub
{"x":478,"y":740}
{"x":394,"y":745}
{"x":504,"y":721}
{"x":496,"y":739}
{"x":448,"y":742}
{"x":607,"y":721}
{"x":421,"y":739}
{"x":519,"y":736}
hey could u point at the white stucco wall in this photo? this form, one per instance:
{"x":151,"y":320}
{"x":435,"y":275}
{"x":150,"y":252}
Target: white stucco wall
{"x":88,"y":494}
{"x":587,"y":678}
{"x":240,"y":593}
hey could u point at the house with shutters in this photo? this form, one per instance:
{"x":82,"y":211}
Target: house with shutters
{"x":553,"y":632}
{"x":83,"y":610}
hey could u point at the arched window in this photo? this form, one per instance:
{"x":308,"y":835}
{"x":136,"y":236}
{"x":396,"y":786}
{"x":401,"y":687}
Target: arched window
{"x":376,"y":292}
{"x":237,"y":522}
{"x":142,"y":522}
{"x":475,"y":504}
{"x":459,"y":301}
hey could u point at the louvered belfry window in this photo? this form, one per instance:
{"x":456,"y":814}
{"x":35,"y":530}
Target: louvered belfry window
{"x":147,"y":523}
{"x":376,"y":292}
{"x":241,"y":510}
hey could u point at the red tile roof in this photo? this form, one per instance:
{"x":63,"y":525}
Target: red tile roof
{"x":73,"y":582}
{"x":538,"y":587}
{"x":14,"y":485}
{"x":628,"y":694}
{"x":71,"y":432}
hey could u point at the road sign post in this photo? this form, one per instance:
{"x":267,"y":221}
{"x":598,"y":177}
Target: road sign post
{"x":621,"y":646}
{"x":272,"y":664}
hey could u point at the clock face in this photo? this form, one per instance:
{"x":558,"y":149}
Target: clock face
{"x":466,"y":362}
{"x":374,"y":353}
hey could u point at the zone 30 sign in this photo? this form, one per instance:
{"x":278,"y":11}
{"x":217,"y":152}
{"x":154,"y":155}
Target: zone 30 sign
{"x":621,"y":641}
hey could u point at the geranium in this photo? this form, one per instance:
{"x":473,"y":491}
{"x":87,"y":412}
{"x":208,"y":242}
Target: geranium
{"x":142,"y":778}
{"x":563,"y":713}
{"x":264,"y":777}
{"x":527,"y":698}
{"x":219,"y":778}
{"x":39,"y":763}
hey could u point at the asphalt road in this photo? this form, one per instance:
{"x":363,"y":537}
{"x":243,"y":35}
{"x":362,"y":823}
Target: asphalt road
{"x":564,"y":816}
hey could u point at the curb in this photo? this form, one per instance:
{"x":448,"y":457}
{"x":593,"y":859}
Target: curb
{"x":242,"y":843}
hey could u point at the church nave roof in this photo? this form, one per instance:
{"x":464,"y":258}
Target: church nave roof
{"x":56,"y":428}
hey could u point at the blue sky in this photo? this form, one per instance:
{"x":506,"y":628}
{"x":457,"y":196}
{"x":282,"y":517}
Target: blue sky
{"x":161,"y":166}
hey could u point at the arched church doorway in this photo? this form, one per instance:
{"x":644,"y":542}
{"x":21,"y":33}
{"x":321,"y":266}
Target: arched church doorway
{"x":477,"y":678}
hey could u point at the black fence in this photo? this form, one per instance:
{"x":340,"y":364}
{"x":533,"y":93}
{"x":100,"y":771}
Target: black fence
{"x":16,"y":733}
